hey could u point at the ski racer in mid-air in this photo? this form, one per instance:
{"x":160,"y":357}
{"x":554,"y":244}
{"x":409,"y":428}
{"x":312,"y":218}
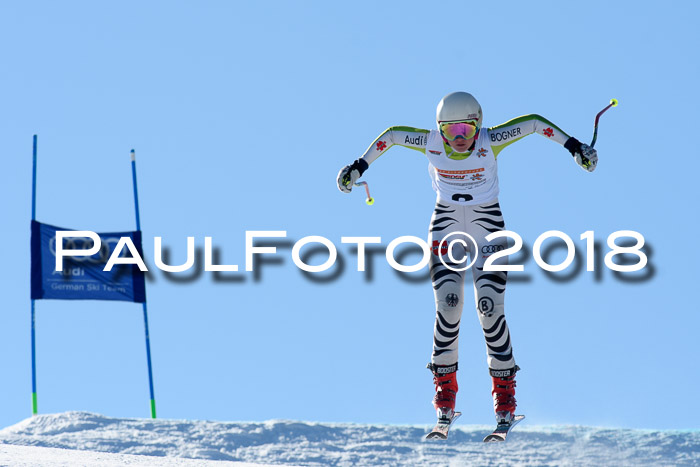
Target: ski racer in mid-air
{"x":462,"y":162}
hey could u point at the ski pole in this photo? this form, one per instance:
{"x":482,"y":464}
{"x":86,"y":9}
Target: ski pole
{"x":613,"y":103}
{"x":369,"y":200}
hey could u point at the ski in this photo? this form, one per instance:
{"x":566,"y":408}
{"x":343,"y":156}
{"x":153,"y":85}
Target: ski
{"x":502,"y":430}
{"x":442,"y":428}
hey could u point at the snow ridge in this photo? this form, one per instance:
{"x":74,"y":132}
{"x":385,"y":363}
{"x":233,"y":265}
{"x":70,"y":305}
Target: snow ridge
{"x":309,"y":443}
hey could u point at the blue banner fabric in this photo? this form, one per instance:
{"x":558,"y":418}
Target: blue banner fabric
{"x":83,"y":277}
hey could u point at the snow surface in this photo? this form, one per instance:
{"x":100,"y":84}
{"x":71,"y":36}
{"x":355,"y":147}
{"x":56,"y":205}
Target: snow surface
{"x":81,"y":438}
{"x":26,"y":456}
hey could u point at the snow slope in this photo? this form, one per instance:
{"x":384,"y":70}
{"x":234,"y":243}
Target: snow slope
{"x":26,"y":456}
{"x":80,"y":438}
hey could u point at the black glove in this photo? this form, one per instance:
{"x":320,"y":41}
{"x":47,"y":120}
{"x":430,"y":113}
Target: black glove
{"x":585,"y":156}
{"x":349,"y":174}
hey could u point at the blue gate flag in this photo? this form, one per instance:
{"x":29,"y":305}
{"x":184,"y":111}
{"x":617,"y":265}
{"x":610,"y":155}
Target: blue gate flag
{"x":83,"y":277}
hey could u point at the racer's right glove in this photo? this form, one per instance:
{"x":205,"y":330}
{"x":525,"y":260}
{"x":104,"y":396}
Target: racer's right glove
{"x":349,"y":174}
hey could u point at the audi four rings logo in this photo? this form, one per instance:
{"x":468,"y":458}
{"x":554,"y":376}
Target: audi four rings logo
{"x":80,"y":243}
{"x":492,"y":248}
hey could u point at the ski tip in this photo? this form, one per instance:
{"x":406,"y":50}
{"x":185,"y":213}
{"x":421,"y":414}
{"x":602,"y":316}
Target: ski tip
{"x":436,"y":436}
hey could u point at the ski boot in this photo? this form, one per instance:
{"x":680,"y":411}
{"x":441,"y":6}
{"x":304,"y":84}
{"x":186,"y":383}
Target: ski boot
{"x":445,"y":380}
{"x":504,"y":404}
{"x":504,"y":394}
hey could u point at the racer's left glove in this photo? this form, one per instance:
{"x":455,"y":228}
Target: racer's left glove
{"x":586,"y":157}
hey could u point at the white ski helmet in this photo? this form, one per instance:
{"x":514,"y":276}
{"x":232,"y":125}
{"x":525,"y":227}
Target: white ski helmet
{"x":459,"y":107}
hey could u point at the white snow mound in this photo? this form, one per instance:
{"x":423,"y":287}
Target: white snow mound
{"x":81,"y":438}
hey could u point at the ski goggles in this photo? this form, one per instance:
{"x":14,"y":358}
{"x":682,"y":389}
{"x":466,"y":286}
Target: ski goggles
{"x":452,"y":131}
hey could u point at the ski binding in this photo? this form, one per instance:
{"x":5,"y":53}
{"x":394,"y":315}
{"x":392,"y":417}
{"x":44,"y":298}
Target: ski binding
{"x":442,"y":428}
{"x":502,"y":430}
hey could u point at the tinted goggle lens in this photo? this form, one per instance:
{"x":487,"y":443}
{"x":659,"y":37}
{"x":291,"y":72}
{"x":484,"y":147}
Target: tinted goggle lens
{"x":452,"y":131}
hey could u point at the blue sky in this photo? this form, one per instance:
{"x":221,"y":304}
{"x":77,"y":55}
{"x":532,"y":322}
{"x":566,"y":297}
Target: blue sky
{"x":241,"y":115}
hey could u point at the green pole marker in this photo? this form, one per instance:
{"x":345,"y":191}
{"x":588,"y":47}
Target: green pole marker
{"x":35,"y":405}
{"x":153,"y":408}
